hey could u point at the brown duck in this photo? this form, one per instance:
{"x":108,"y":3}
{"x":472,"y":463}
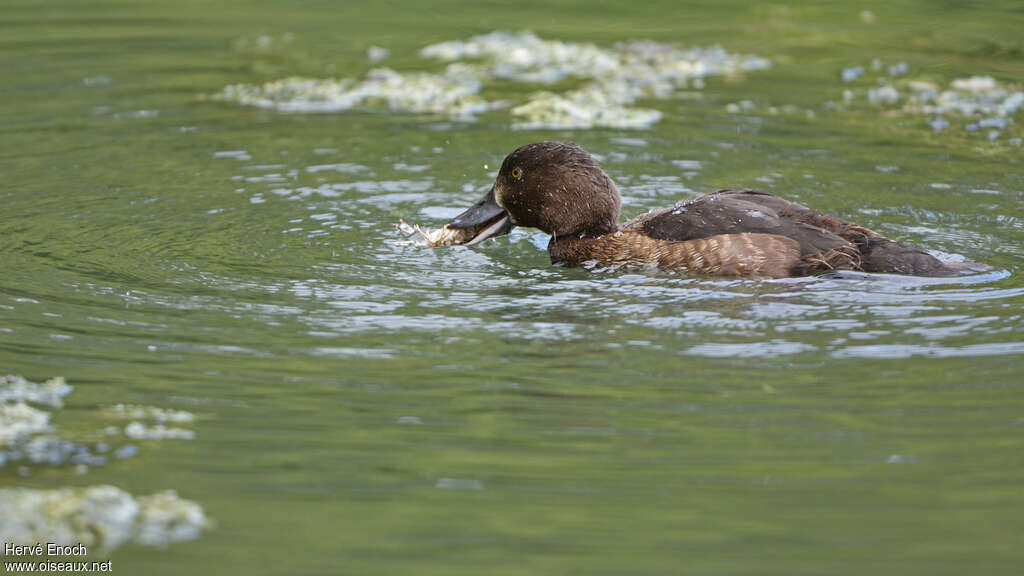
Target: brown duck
{"x":559,"y":188}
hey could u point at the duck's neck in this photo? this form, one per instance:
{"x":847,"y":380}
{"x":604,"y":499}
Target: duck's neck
{"x":574,"y":249}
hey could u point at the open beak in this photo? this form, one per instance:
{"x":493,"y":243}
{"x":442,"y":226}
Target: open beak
{"x":484,"y":219}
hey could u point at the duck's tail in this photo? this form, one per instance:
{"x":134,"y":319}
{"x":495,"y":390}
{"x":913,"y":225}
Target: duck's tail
{"x":881,"y":255}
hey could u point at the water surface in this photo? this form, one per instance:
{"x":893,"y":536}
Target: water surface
{"x":365,"y":407}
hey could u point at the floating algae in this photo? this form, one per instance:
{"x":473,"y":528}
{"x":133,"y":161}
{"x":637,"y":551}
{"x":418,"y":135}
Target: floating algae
{"x":19,"y":422}
{"x":432,"y":237}
{"x":975,"y":96}
{"x":883,"y":95}
{"x":24,"y":437}
{"x":26,"y":432}
{"x":524,"y":57}
{"x":452,"y":93}
{"x":103,"y":516}
{"x":982,"y":102}
{"x":49,"y":393}
{"x":54,"y":451}
{"x":140,"y":431}
{"x":581,"y":109}
{"x":620,"y":76}
{"x":160,"y":415}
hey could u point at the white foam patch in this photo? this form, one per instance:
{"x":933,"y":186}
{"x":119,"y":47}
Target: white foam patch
{"x":968,"y":96}
{"x":27,"y":437}
{"x":19,"y":422}
{"x":103,"y":516}
{"x":18,"y":389}
{"x":160,"y":415}
{"x":453,"y":93}
{"x":619,"y":77}
{"x":987,"y":104}
{"x":581,"y":109}
{"x":139,"y":431}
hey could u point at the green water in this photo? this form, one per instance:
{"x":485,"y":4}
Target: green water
{"x":367,"y":408}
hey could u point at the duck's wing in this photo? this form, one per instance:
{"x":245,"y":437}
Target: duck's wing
{"x":875,"y":253}
{"x":737,"y":212}
{"x":845,"y":229}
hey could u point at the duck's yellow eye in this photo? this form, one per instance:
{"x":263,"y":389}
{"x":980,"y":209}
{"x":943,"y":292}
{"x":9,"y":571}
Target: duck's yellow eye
{"x":517,"y":173}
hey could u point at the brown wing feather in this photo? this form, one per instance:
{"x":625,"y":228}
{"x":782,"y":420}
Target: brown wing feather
{"x":869,"y":250}
{"x":715,"y":214}
{"x":850,"y":231}
{"x":747,"y":255}
{"x":748,"y":233}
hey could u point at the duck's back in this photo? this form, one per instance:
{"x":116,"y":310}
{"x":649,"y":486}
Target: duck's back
{"x":735,"y":212}
{"x":826,"y":242}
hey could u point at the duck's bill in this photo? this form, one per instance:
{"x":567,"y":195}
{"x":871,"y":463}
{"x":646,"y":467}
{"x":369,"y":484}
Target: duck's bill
{"x":482,"y":220}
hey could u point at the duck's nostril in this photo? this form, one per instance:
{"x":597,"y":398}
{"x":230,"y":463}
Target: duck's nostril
{"x":483,"y":212}
{"x":482,"y":220}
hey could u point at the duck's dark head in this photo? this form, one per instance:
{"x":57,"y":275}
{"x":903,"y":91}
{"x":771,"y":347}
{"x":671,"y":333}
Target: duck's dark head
{"x":554,"y":186}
